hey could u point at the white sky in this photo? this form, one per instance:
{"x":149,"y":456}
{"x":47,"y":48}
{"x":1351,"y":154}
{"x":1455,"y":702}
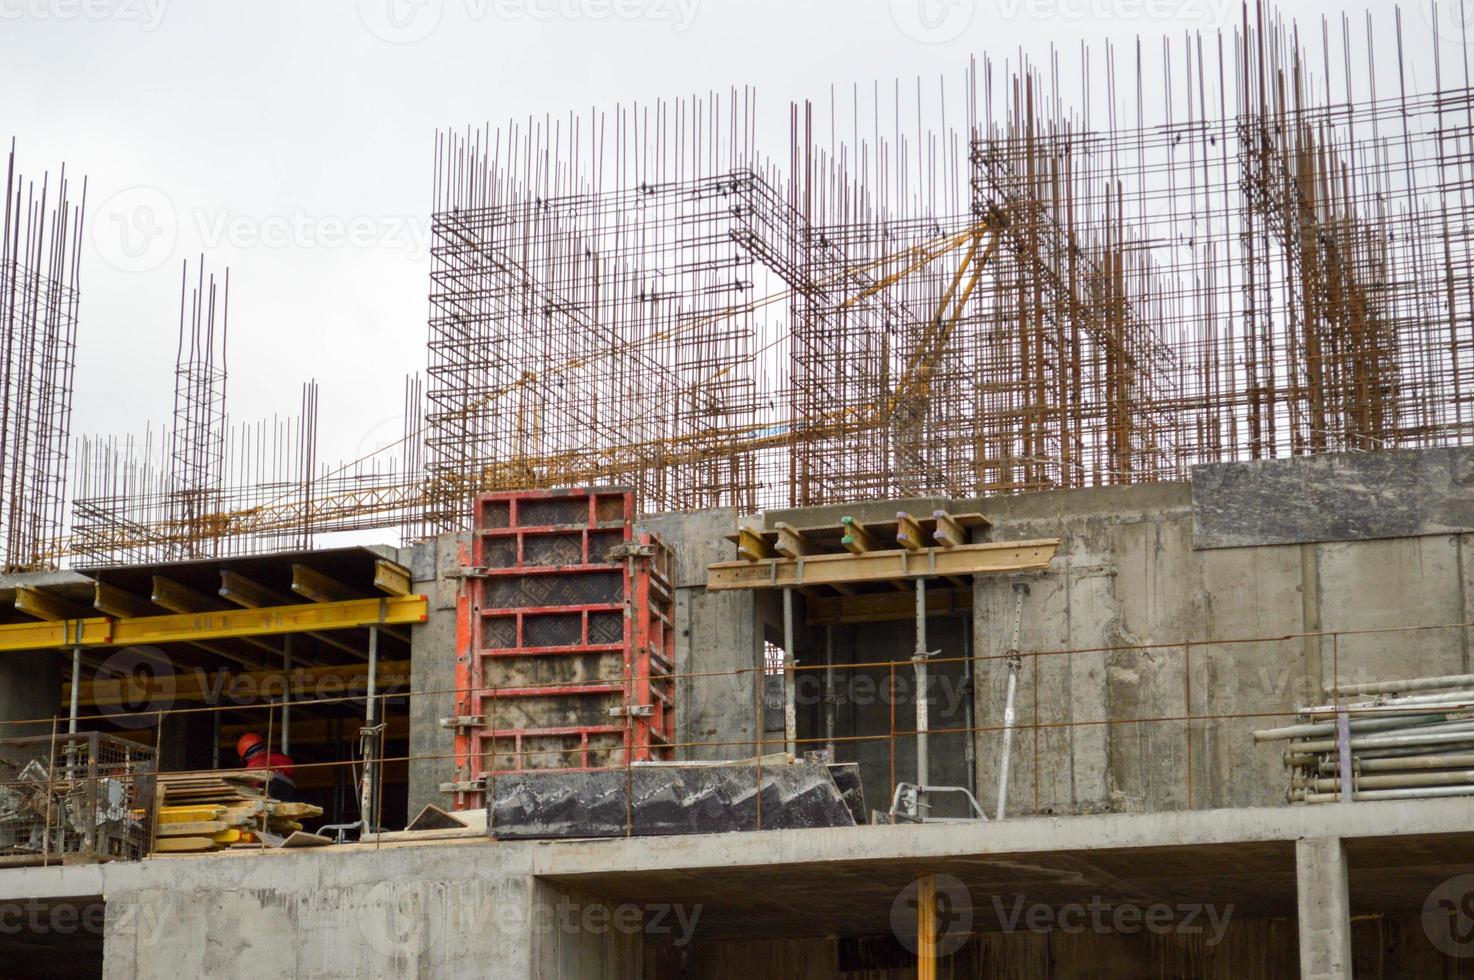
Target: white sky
{"x":234,"y":121}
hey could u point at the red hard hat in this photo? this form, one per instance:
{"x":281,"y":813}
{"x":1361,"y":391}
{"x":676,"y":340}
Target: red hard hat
{"x":247,"y":742}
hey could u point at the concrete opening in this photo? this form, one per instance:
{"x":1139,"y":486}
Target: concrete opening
{"x":49,"y":938}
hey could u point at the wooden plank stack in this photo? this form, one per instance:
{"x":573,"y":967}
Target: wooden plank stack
{"x":201,"y":812}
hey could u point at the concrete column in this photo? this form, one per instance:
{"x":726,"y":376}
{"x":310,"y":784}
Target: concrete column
{"x":1324,"y":908}
{"x":30,"y":688}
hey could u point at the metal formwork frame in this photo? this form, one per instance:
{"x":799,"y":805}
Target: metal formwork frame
{"x":561,"y":574}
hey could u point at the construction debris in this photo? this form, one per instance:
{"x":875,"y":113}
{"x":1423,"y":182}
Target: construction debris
{"x":1392,"y":740}
{"x":72,"y":796}
{"x":655,"y":800}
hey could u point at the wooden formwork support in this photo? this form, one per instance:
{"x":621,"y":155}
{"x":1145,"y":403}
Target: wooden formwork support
{"x":909,"y":534}
{"x":857,"y":539}
{"x":883,"y":566}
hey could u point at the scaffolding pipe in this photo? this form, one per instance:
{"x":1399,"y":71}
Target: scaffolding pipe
{"x":286,"y":698}
{"x":366,"y":798}
{"x":790,"y":709}
{"x":1432,"y":734}
{"x":76,"y":687}
{"x":829,"y":691}
{"x":1459,"y":777}
{"x":923,"y":720}
{"x":1414,"y":684}
{"x":1447,"y":760}
{"x":1015,"y":664}
{"x":1407,"y":793}
{"x":970,"y":744}
{"x":1360,"y":725}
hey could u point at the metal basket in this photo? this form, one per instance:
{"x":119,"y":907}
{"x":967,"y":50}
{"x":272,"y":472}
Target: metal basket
{"x":78,"y":798}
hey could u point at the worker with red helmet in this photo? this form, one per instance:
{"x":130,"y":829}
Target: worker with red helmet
{"x":281,"y":782}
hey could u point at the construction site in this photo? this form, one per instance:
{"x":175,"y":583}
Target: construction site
{"x":1023,"y":527}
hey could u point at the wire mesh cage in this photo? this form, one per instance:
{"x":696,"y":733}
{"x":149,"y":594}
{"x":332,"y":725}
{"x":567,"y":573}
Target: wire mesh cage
{"x":84,"y":797}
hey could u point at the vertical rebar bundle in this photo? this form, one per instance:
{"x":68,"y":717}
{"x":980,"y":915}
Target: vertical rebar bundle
{"x":39,"y":251}
{"x":1276,"y":262}
{"x":197,"y":450}
{"x":1263,"y":251}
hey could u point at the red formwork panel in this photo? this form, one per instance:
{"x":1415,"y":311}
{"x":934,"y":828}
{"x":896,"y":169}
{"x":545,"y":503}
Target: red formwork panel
{"x":565,"y":640}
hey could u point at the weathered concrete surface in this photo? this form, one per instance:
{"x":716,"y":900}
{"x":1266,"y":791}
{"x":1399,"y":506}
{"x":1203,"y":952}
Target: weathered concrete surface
{"x":1324,"y":902}
{"x":433,"y":565}
{"x":553,"y":910}
{"x":1341,"y":497}
{"x":1135,"y":622}
{"x":718,"y":635}
{"x":1138,"y":624}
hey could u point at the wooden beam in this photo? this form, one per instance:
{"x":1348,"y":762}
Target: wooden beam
{"x":44,"y":605}
{"x":391,"y":577}
{"x":113,"y":601}
{"x":312,"y":584}
{"x":949,"y":534}
{"x":236,"y":588}
{"x":884,"y":606}
{"x":857,"y":539}
{"x":884,"y":566}
{"x":751,"y":545}
{"x":792,"y":543}
{"x":169,"y":594}
{"x":252,"y":595}
{"x":909,"y":534}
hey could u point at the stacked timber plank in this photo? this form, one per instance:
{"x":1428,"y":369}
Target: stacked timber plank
{"x":194,"y":828}
{"x":226,"y":786}
{"x":1388,"y":740}
{"x":201,"y":812}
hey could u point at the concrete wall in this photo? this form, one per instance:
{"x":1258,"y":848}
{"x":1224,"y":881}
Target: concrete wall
{"x":434,"y":565}
{"x":399,"y":912}
{"x":1145,"y":597}
{"x":717,"y":632}
{"x":1131,"y":577}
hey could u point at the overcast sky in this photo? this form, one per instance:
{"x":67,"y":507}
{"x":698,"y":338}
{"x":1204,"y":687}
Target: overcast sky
{"x":292,"y":140}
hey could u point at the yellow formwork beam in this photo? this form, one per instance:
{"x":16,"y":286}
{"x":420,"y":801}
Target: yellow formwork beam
{"x":883,"y":566}
{"x":42,"y":605}
{"x":215,"y":624}
{"x":391,"y":577}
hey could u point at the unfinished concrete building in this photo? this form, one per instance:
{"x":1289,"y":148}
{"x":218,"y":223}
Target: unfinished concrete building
{"x":1038,"y":545}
